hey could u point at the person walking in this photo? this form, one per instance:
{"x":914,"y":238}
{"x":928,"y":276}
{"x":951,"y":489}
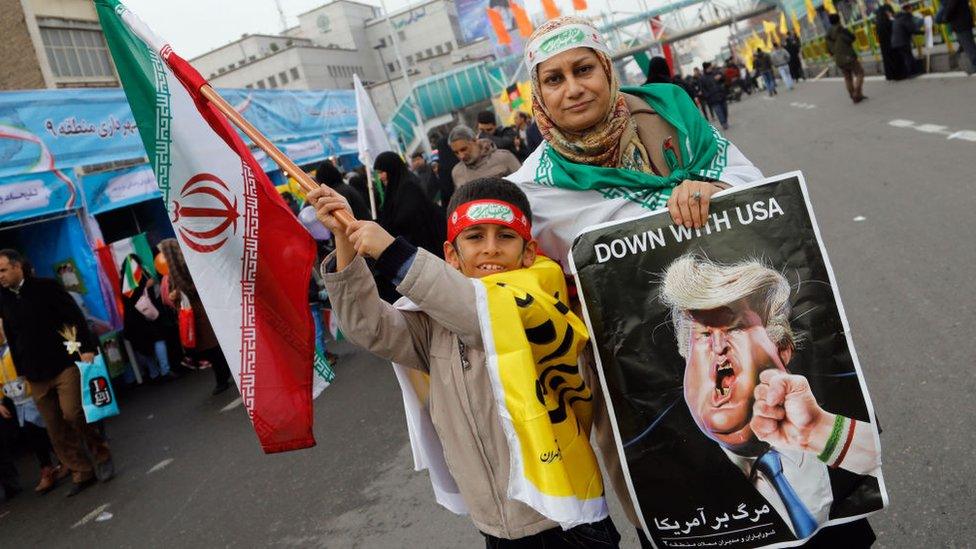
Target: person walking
{"x":20,"y":419}
{"x":781,"y":61}
{"x":889,"y":58}
{"x":146,"y":323}
{"x":903,"y":28}
{"x":181,"y":284}
{"x":763,"y":65}
{"x":47,"y":332}
{"x":840,"y":44}
{"x":793,"y":46}
{"x":713,"y":89}
{"x":425,"y":176}
{"x":959,"y":16}
{"x":696,"y":82}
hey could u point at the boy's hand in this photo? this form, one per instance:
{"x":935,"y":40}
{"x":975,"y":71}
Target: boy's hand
{"x":326,"y":203}
{"x":368,"y":238}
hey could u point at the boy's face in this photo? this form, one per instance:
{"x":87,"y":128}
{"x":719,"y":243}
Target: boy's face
{"x":482,"y":250}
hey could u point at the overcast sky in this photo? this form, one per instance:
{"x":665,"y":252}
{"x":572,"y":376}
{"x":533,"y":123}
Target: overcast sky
{"x":194,"y":27}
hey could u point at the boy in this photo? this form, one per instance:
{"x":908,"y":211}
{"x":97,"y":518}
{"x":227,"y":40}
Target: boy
{"x":508,"y":405}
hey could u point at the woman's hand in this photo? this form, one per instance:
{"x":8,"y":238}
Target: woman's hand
{"x":689,"y":202}
{"x":368,"y":238}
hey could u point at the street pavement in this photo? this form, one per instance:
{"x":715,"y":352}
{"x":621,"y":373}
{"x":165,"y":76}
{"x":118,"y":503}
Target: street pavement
{"x":892,"y":185}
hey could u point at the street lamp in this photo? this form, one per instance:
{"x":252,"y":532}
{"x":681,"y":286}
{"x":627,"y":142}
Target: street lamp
{"x":379,"y":49}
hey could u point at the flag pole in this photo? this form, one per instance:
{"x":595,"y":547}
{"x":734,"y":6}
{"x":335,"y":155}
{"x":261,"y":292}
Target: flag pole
{"x":372,"y":191}
{"x":267,"y":146}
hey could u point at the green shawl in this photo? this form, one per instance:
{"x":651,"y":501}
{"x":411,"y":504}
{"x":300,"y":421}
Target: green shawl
{"x":697,"y":139}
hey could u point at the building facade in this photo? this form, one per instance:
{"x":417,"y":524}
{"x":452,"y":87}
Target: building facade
{"x":345,"y":37}
{"x":53,"y":44}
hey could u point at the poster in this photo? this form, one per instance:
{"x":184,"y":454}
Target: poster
{"x":474,"y":24}
{"x":739,"y":405}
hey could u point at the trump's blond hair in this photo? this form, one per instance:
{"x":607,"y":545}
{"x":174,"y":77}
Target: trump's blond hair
{"x":695,"y":283}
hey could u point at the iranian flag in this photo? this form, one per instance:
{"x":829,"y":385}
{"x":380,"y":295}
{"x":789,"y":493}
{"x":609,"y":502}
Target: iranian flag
{"x":250,"y":258}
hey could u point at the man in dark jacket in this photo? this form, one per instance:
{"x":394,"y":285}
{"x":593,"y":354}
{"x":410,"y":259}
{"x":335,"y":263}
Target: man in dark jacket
{"x":763,"y":65}
{"x":47,"y":332}
{"x":713,"y":90}
{"x":840,"y":44}
{"x":504,"y":137}
{"x":959,"y":16}
{"x":904,"y":26}
{"x":425,"y":176}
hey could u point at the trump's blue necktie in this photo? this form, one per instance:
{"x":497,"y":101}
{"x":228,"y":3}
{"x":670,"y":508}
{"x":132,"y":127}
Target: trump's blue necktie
{"x":771,"y":465}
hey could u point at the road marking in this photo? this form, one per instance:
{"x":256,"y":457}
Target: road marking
{"x":799,"y":105}
{"x":91,"y":516}
{"x":935,"y":129}
{"x":159,"y":466}
{"x":234,"y":404}
{"x":859,"y":218}
{"x":103,"y":516}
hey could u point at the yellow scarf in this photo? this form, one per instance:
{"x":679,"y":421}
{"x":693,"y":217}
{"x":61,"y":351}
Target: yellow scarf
{"x":532,"y":343}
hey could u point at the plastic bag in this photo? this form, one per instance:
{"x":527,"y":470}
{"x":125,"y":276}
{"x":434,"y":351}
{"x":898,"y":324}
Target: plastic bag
{"x":188,"y":327}
{"x":145,"y":306}
{"x":97,"y":396}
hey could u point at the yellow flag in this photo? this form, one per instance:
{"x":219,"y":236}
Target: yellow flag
{"x":811,"y":11}
{"x":783,"y":30}
{"x":796,"y":22}
{"x":755,"y":42}
{"x":769,"y":43}
{"x":829,"y":6}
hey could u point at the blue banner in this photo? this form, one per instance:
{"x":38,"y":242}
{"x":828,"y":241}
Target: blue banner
{"x":58,"y":249}
{"x":42,"y":130}
{"x":35,"y":194}
{"x":117,"y":188}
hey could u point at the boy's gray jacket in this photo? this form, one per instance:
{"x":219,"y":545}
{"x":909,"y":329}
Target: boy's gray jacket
{"x":462,"y":406}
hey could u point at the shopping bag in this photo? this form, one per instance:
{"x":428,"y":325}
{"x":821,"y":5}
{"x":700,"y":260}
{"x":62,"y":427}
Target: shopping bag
{"x":97,"y":396}
{"x":188,"y":327}
{"x":145,"y":306}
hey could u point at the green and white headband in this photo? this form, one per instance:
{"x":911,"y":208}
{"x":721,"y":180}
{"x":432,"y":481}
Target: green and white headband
{"x":560,"y":39}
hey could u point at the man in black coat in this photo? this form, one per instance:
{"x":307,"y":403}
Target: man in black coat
{"x":504,"y":137}
{"x":959,"y":16}
{"x":715,"y":94}
{"x":47,"y":332}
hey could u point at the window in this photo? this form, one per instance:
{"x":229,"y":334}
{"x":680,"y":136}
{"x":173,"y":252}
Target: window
{"x":410,"y":60}
{"x":294,"y":73}
{"x":448,"y":46}
{"x":252,"y":58}
{"x":283,"y":77}
{"x":221,"y":70}
{"x":401,"y":35}
{"x":273,"y":46}
{"x":272,"y":82}
{"x":248,"y":86}
{"x":76,"y":52}
{"x":331,"y":70}
{"x":440,"y":49}
{"x":390,"y":67}
{"x":429,"y":52}
{"x":260,"y":84}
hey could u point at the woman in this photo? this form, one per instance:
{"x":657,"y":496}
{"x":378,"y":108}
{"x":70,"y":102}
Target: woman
{"x":181,"y":283}
{"x":147,"y":324}
{"x":613,"y":153}
{"x":406,"y":210}
{"x":889,"y":58}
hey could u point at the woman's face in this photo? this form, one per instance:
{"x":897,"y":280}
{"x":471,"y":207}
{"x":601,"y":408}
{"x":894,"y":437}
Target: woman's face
{"x":383,"y":176}
{"x":575,"y":89}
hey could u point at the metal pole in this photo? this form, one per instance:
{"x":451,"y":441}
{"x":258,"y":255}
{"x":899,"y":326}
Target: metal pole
{"x":406,"y":78}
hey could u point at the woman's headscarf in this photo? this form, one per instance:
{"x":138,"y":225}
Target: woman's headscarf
{"x":613,"y":142}
{"x":407,"y":211}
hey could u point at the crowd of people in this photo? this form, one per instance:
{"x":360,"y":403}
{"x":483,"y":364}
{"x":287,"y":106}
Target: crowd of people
{"x":506,"y":196}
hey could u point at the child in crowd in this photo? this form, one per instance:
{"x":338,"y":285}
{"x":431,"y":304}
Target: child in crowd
{"x":506,"y":398}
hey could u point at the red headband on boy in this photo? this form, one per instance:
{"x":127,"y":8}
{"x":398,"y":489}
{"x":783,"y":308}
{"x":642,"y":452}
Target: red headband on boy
{"x":493,"y":212}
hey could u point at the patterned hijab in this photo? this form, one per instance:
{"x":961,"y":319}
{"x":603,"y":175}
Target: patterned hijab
{"x":612,"y":143}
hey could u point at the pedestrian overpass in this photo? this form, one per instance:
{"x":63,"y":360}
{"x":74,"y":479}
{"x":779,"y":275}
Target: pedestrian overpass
{"x":437,"y":97}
